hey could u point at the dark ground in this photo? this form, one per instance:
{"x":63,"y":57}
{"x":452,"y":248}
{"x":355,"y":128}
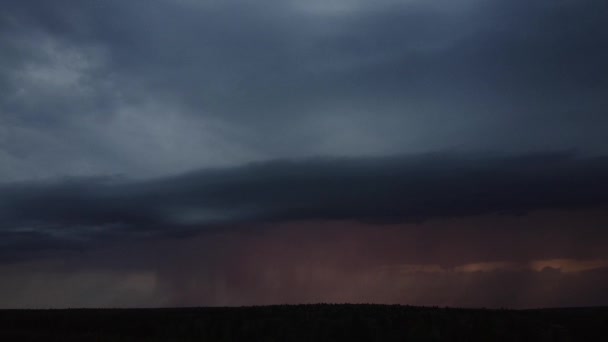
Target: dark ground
{"x":323,"y":322}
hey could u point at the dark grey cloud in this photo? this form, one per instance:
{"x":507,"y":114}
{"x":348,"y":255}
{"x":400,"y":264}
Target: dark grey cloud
{"x":78,"y":213}
{"x":158,"y":87}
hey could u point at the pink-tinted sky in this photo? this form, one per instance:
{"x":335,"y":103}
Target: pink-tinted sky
{"x":490,"y":261}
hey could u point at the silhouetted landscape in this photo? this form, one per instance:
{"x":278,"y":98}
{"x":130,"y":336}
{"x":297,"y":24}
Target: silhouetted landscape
{"x":320,"y":322}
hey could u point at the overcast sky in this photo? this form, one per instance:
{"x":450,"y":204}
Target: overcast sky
{"x":291,"y":151}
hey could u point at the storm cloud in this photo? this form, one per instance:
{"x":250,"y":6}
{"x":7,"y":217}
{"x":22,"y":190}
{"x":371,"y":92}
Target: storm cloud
{"x":147,"y":89}
{"x":175,"y":152}
{"x":379,"y":190}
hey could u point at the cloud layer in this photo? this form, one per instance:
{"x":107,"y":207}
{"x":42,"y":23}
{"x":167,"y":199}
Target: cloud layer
{"x":77,"y":212}
{"x":170,"y":86}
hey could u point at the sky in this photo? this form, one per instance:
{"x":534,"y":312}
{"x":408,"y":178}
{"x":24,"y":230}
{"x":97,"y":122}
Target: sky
{"x":166,"y":153}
